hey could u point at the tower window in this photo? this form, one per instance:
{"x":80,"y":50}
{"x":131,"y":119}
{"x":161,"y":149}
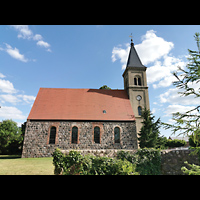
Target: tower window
{"x":96,"y":134}
{"x":137,"y":81}
{"x":74,"y":135}
{"x":139,"y":110}
{"x":117,"y":134}
{"x":52,"y":137}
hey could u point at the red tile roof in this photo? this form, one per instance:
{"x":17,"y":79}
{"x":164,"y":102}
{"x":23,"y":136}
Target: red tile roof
{"x":81,"y":104}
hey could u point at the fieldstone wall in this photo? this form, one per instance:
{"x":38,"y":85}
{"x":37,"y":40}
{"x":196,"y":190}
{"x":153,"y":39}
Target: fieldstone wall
{"x":173,"y":160}
{"x":36,"y":141}
{"x":100,"y":152}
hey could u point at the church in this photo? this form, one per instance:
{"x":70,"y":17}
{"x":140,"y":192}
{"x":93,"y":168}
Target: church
{"x":88,"y":118}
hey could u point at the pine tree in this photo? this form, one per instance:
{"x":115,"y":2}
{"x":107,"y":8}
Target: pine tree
{"x":149,"y":132}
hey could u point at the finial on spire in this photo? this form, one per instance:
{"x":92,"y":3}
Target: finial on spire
{"x":131,"y":39}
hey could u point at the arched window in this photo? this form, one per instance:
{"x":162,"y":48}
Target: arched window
{"x":74,"y":135}
{"x":137,"y":80}
{"x":52,"y":137}
{"x":139,"y":110}
{"x":117,"y":134}
{"x":96,"y":134}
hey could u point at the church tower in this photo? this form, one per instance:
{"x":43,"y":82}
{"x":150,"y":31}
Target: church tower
{"x":135,"y":83}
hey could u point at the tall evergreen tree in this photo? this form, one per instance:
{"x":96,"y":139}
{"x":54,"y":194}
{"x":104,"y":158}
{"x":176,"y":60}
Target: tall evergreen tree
{"x":149,"y":132}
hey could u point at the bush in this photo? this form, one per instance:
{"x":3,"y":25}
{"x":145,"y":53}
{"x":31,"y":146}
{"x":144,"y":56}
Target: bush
{"x":194,"y":142}
{"x":175,"y":143}
{"x":147,"y":161}
{"x":76,"y":164}
{"x":58,"y":161}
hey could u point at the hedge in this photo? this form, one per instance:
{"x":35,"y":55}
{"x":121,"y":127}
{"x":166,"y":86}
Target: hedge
{"x":76,"y":164}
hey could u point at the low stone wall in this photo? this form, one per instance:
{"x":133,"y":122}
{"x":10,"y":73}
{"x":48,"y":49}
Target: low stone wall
{"x":171,"y":160}
{"x":103,"y":152}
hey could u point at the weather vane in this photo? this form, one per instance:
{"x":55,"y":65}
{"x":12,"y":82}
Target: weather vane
{"x":131,"y":38}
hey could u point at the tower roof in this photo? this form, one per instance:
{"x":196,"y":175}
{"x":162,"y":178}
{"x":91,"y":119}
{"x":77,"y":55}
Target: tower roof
{"x":133,"y":58}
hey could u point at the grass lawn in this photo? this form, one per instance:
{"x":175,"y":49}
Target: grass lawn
{"x":14,"y":165}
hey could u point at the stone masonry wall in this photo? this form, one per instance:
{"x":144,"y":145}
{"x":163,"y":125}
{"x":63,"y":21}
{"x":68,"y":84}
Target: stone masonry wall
{"x":173,"y":160}
{"x":36,"y":142}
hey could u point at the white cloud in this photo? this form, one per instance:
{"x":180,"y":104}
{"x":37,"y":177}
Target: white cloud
{"x":7,"y":87}
{"x":162,"y":71}
{"x":2,"y":76}
{"x":171,"y":96}
{"x":122,"y":54}
{"x":11,"y":113}
{"x":9,"y":98}
{"x":37,"y":37}
{"x":177,"y":108}
{"x":16,"y":98}
{"x":44,"y":44}
{"x":27,"y":98}
{"x":26,"y":33}
{"x":152,"y":47}
{"x":150,"y":50}
{"x":14,"y":52}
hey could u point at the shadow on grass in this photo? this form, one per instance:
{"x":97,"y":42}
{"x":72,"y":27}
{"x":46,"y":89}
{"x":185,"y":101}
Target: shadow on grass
{"x":10,"y":156}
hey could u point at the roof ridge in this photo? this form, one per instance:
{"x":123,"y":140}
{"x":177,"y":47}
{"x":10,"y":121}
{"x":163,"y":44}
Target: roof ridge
{"x":81,"y":89}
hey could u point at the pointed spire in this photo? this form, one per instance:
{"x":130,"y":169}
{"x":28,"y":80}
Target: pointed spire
{"x":133,"y":58}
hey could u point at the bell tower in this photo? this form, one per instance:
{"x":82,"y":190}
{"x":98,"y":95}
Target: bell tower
{"x":135,"y":83}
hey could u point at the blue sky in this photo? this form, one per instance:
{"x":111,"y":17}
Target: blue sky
{"x":80,"y":56}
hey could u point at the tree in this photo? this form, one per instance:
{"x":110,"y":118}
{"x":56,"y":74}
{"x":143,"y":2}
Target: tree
{"x":149,"y":132}
{"x":188,"y":123}
{"x":10,"y":136}
{"x":105,"y":87}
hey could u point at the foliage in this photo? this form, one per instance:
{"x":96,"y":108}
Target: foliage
{"x":194,"y":141}
{"x":175,"y":143}
{"x":149,"y":132}
{"x":74,"y":164}
{"x":147,"y":161}
{"x":10,"y":137}
{"x":195,"y":169}
{"x":105,"y":87}
{"x":58,"y":161}
{"x":188,"y":123}
{"x":161,"y":142}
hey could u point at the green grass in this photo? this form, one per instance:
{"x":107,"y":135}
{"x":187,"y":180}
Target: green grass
{"x":14,"y":165}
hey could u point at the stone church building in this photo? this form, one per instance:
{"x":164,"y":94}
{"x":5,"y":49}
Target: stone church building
{"x":88,"y":118}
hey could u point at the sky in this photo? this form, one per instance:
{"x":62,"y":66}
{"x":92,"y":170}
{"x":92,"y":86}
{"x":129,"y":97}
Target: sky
{"x":90,"y":56}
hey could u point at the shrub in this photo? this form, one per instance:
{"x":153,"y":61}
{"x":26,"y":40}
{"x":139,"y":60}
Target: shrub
{"x":147,"y":161}
{"x":58,"y":161}
{"x":175,"y":143}
{"x":74,"y":164}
